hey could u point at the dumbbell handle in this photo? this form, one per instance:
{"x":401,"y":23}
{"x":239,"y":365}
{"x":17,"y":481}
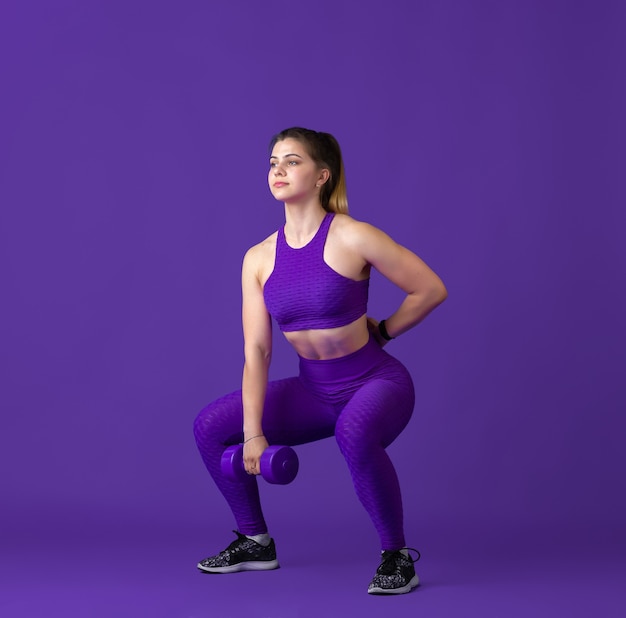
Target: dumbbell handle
{"x":279,"y":464}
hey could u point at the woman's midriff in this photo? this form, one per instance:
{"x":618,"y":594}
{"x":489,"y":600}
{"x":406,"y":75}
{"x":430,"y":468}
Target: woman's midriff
{"x":326,"y":344}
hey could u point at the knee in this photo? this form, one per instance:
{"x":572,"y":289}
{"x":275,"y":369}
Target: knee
{"x":220,"y":421}
{"x":209,"y":421}
{"x":202,"y":424}
{"x":352,"y":439}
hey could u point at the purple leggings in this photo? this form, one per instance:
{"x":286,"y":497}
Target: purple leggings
{"x":364,"y":399}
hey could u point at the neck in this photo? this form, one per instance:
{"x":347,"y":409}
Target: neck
{"x":302,"y":223}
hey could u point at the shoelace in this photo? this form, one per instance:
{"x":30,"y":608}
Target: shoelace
{"x":388,"y":565}
{"x":235,"y":546}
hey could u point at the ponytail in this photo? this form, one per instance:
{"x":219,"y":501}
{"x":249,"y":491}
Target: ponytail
{"x":334,"y":195}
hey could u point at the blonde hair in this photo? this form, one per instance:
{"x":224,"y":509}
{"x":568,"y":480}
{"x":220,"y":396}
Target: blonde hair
{"x":324,"y":149}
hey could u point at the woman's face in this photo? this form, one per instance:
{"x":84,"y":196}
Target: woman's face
{"x":293,"y":175}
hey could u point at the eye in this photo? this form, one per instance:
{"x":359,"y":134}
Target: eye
{"x":293,"y":162}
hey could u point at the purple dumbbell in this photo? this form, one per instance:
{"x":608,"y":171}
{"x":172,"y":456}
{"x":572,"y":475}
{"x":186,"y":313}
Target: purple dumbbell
{"x":279,"y":464}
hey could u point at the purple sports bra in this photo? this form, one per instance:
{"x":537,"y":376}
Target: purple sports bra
{"x":303,"y":292}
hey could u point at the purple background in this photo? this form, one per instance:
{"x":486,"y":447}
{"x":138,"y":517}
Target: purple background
{"x":486,"y":136}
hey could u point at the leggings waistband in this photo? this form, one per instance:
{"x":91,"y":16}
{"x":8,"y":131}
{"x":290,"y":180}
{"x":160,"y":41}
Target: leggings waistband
{"x":349,"y":367}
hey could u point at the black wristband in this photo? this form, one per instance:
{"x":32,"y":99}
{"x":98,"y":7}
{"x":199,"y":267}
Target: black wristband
{"x":382,"y":329}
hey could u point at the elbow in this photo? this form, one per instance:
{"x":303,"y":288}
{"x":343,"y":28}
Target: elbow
{"x":441,"y":292}
{"x":430,"y":296}
{"x":258,"y":354}
{"x":266,"y":356}
{"x":436,"y":292}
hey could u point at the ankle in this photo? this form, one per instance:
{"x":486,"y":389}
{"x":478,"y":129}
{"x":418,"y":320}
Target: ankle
{"x":404,"y":551}
{"x":262,"y":539}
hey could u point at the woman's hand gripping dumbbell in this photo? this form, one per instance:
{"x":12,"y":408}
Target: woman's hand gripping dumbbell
{"x":253,"y":448}
{"x":277,"y":464}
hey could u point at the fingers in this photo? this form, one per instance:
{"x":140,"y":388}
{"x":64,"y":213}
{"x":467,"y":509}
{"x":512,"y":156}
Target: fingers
{"x":372,"y":325}
{"x":252,"y":465}
{"x":252,"y":452}
{"x":254,"y":468}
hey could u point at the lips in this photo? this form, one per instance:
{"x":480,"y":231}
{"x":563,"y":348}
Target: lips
{"x":280,"y":184}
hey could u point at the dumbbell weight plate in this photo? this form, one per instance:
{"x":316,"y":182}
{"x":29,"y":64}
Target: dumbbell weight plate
{"x":279,"y":464}
{"x":232,"y":463}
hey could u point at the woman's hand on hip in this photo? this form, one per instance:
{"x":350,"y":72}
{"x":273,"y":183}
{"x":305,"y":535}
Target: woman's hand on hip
{"x":372,"y":327}
{"x":252,"y":451}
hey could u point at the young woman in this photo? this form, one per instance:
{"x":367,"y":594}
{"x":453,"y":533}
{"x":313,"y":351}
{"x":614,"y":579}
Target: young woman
{"x":312,"y":277}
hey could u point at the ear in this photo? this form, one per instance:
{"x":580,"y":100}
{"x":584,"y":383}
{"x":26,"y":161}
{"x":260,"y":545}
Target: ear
{"x":323,"y":177}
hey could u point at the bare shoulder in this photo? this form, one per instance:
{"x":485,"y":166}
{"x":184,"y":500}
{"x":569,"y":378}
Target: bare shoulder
{"x":355,"y":233}
{"x":260,"y":257}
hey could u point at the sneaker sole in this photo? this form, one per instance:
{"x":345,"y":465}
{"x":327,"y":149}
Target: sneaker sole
{"x":414,"y":583}
{"x":258,"y":565}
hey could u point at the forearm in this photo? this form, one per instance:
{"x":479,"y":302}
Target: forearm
{"x":253,"y":388}
{"x":414,"y":309}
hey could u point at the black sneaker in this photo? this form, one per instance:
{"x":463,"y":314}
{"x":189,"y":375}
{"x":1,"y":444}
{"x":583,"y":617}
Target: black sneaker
{"x":395,"y":575}
{"x":243,"y":554}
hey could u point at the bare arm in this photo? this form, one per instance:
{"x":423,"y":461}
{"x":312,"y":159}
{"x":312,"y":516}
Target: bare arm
{"x":423,"y":287}
{"x":257,"y":332}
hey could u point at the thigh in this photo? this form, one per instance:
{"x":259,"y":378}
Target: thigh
{"x":294,"y":415}
{"x":291,"y":415}
{"x":377,"y":412}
